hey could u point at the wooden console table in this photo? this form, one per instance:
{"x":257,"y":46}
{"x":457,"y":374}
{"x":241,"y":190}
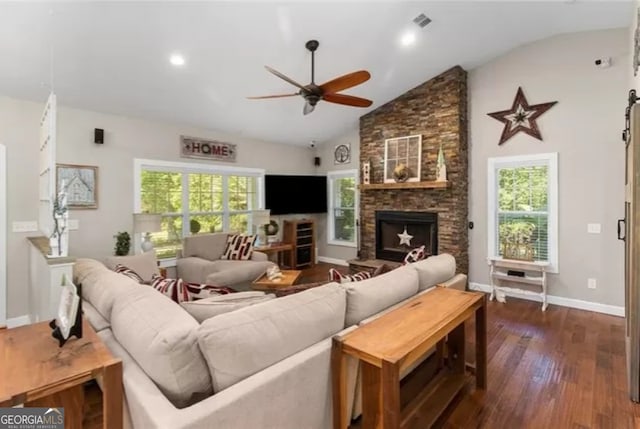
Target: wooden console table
{"x":392,"y":343}
{"x":500,"y":272}
{"x":35,"y":372}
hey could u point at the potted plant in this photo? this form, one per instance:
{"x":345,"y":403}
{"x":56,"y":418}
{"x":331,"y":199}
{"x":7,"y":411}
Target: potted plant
{"x":123,"y":244}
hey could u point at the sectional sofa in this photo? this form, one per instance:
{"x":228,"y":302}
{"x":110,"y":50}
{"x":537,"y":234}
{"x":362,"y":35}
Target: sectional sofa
{"x":262,"y":366}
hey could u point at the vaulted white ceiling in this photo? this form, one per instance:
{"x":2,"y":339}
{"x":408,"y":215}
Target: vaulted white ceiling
{"x":113,"y":56}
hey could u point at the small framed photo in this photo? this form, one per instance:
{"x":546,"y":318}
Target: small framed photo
{"x":80,"y":182}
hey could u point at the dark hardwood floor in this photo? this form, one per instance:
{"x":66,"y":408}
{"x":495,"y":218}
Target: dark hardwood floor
{"x":563,"y":368}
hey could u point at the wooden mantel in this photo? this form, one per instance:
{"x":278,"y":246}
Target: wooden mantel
{"x":407,"y":185}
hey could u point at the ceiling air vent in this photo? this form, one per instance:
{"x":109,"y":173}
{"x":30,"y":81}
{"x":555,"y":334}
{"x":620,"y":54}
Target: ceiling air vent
{"x":422,"y":20}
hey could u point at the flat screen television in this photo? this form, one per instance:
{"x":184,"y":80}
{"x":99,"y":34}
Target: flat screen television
{"x":295,"y":194}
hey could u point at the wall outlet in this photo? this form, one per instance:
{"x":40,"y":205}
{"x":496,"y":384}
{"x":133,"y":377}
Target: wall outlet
{"x":73,"y":225}
{"x":25,"y":226}
{"x":591,"y":283}
{"x":593,"y":228}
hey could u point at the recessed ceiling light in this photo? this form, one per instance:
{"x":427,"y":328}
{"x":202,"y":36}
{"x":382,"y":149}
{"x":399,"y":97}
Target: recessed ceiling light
{"x":177,"y":60}
{"x":408,"y":38}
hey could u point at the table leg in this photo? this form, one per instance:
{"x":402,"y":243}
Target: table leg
{"x":371,"y":396}
{"x":481,"y":345}
{"x":456,"y":346}
{"x":339,"y":383}
{"x":71,"y":399}
{"x":112,"y":396}
{"x":390,"y":395}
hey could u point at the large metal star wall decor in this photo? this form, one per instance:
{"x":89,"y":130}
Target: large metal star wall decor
{"x":521,"y":117}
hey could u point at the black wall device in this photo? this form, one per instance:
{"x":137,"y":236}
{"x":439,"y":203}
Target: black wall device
{"x":316,"y":161}
{"x":98,"y":136}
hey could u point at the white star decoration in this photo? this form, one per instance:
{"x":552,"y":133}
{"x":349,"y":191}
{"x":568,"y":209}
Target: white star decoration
{"x":520,"y":117}
{"x":405,"y":238}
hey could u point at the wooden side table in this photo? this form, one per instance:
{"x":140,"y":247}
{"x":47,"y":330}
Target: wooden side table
{"x":500,"y":272}
{"x":35,"y":372}
{"x":391,"y":344}
{"x":278,"y":249}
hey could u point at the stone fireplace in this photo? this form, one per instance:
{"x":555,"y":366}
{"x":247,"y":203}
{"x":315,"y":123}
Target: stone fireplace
{"x":421,"y":229}
{"x":436,"y":110}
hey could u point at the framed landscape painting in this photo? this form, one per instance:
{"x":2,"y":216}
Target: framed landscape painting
{"x":80,"y":182}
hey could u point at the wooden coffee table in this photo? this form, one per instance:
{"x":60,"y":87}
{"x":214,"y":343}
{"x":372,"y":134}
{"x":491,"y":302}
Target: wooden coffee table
{"x":35,"y":372}
{"x":289,"y":278}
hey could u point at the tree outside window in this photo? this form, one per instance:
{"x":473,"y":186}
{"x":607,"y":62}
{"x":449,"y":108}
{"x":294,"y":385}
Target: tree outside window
{"x":342,"y":210}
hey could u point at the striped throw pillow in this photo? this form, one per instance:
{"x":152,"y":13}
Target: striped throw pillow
{"x":201,"y":291}
{"x":337,"y":276}
{"x":174,"y":289}
{"x":239,"y":247}
{"x":417,"y":254}
{"x":121,"y":269}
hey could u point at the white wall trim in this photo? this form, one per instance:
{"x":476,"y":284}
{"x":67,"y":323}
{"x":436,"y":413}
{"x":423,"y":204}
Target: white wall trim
{"x":334,"y":261}
{"x":3,"y":235}
{"x":14,"y":322}
{"x":548,"y":159}
{"x":579,"y":304}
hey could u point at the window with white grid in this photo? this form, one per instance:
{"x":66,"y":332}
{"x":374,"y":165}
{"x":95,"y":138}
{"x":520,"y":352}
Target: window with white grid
{"x":195,"y":199}
{"x":343,"y":208}
{"x":523,"y":205}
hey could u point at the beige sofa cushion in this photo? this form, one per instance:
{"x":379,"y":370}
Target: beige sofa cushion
{"x":95,"y":319}
{"x":367,"y":297}
{"x":162,"y":338}
{"x":100,"y":286}
{"x":144,"y":264}
{"x":204,"y":309}
{"x":206,"y":246}
{"x":435,"y":269}
{"x":244,"y":342}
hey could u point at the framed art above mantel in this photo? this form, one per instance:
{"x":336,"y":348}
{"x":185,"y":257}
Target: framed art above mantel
{"x":402,"y":155}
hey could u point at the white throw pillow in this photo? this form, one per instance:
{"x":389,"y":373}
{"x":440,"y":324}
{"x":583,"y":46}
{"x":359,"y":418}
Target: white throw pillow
{"x":144,"y":264}
{"x":204,"y":309}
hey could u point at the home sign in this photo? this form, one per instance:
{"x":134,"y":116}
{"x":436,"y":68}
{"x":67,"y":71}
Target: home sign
{"x":192,"y":147}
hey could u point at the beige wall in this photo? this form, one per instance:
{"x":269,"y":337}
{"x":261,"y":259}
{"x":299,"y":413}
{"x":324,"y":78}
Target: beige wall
{"x":325,"y":152}
{"x":584,"y":128}
{"x":125,"y":139}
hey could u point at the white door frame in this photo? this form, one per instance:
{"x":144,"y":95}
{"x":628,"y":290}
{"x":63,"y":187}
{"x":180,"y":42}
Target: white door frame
{"x":3,"y":235}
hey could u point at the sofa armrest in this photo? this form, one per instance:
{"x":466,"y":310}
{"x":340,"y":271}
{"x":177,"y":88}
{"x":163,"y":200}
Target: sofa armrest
{"x":259,"y":256}
{"x":459,"y":281}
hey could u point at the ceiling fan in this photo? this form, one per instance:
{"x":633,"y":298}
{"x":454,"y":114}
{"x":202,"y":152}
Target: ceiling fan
{"x":328,"y":91}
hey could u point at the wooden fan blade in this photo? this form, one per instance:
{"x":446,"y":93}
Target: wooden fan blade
{"x":272,"y":96}
{"x":344,"y":82}
{"x":283,"y":77}
{"x":349,"y":100}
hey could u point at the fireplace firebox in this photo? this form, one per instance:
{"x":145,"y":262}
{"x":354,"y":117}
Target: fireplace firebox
{"x":399,"y":232}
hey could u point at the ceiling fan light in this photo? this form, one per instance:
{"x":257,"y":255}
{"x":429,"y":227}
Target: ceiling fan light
{"x":308,"y":108}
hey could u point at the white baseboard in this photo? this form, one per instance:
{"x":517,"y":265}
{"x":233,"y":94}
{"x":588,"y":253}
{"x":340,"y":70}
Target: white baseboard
{"x":14,"y":322}
{"x":333,"y":261}
{"x":613,"y":310}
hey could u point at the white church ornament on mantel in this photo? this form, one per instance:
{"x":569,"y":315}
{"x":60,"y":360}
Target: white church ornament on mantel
{"x":441,"y":167}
